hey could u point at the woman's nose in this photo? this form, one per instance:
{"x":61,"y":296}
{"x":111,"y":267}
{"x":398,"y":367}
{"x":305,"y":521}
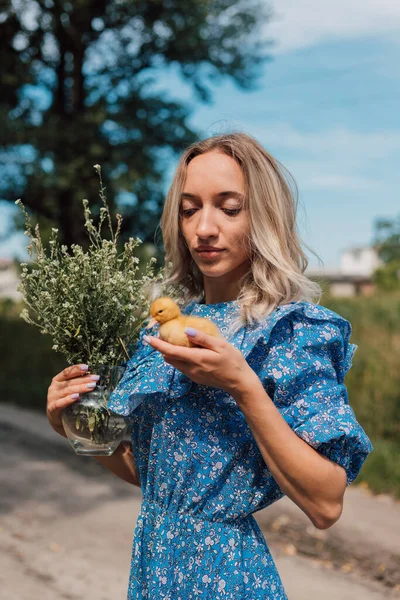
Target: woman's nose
{"x":207,"y":224}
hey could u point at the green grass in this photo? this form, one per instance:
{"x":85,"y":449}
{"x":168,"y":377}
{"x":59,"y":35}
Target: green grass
{"x":381,"y":470}
{"x":373,"y":382}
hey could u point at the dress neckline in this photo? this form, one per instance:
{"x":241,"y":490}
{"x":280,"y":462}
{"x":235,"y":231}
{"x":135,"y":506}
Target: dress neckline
{"x":217,"y":305}
{"x":216,"y":311}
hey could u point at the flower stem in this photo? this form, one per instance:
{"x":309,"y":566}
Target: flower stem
{"x":123,"y":345}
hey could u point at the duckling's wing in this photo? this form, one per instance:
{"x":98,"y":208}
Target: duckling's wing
{"x":173,"y":332}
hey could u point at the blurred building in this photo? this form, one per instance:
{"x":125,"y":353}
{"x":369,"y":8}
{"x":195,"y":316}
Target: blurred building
{"x":353,"y":277}
{"x":9,"y":280}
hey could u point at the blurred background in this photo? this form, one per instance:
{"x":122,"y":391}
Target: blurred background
{"x":128,"y":85}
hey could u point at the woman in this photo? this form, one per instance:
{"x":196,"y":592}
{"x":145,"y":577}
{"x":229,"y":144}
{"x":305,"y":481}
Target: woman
{"x":228,"y":427}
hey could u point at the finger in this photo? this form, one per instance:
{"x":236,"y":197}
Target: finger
{"x":204,"y":339}
{"x":71,"y":389}
{"x":77,"y":383}
{"x":178,"y":364}
{"x":73,"y":392}
{"x":170,"y":350}
{"x":61,"y":403}
{"x":70,"y":372}
{"x":81,"y":387}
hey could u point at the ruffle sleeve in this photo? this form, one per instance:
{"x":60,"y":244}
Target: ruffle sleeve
{"x":308,"y":356}
{"x":147,"y":377}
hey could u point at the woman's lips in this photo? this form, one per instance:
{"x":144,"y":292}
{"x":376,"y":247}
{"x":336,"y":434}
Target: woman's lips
{"x":209,"y":253}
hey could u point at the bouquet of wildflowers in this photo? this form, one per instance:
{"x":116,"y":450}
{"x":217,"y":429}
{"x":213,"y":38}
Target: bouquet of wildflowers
{"x":91,"y":303}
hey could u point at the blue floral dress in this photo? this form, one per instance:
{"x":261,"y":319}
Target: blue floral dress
{"x":201,"y":471}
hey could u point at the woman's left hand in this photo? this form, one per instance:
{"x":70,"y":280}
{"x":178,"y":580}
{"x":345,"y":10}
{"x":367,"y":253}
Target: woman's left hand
{"x":216,"y":362}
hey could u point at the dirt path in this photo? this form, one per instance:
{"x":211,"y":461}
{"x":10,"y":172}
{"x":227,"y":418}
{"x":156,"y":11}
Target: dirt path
{"x":66,"y":528}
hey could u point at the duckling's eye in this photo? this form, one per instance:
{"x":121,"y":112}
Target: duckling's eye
{"x":160,"y":310}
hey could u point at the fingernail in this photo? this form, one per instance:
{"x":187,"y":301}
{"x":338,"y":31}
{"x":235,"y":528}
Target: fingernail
{"x":75,"y":395}
{"x":146,"y":339}
{"x":84,"y":367}
{"x":91,"y":385}
{"x":94,"y":377}
{"x":190,"y":331}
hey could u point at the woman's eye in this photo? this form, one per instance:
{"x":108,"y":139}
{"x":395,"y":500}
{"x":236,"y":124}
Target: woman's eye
{"x":231,"y":212}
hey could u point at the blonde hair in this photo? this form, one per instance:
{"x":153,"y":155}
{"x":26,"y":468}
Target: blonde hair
{"x":276,"y":274}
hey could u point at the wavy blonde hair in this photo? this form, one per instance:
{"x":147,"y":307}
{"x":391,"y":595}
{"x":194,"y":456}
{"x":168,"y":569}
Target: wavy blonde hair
{"x":276,"y":275}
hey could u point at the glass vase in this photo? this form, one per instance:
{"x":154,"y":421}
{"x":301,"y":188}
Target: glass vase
{"x":91,"y":428}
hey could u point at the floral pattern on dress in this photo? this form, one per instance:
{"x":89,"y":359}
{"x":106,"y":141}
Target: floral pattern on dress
{"x":201,"y":471}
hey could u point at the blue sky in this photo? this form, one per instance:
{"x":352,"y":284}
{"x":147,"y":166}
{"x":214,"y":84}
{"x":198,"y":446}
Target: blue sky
{"x":327,"y":107}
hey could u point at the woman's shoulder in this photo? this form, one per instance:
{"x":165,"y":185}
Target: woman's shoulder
{"x":312,"y":333}
{"x":308,"y":316}
{"x":304,"y":323}
{"x":299,"y":324}
{"x":309,"y":310}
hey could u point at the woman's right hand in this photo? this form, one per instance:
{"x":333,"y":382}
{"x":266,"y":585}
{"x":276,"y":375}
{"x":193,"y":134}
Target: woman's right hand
{"x":64,"y":389}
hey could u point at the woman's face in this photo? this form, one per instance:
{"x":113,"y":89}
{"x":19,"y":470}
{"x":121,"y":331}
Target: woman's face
{"x":212,"y":215}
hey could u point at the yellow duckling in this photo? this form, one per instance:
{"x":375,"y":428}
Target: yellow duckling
{"x":165,"y":311}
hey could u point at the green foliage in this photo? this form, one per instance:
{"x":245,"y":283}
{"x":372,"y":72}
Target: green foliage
{"x":381,"y":470}
{"x":80,"y":85}
{"x":387,"y":277}
{"x":28,"y":361}
{"x":92,"y":303}
{"x":387,"y":243}
{"x":373,"y":382}
{"x":387,"y":239}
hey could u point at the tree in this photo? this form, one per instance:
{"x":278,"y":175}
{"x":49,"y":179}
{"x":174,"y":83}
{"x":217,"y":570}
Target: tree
{"x":387,"y":243}
{"x":76,"y":83}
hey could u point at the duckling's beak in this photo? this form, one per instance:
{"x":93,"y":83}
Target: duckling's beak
{"x":152,"y":322}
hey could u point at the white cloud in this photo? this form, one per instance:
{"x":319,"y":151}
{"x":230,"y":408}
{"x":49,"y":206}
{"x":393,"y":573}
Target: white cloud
{"x":336,"y":159}
{"x":309,"y":22}
{"x":334,"y":142}
{"x":338,"y":182}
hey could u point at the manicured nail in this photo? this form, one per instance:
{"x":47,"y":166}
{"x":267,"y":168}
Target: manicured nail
{"x":91,"y":385}
{"x":190,"y":331}
{"x":84,"y":367}
{"x":76,"y":395}
{"x":146,"y":339}
{"x":94,"y":377}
